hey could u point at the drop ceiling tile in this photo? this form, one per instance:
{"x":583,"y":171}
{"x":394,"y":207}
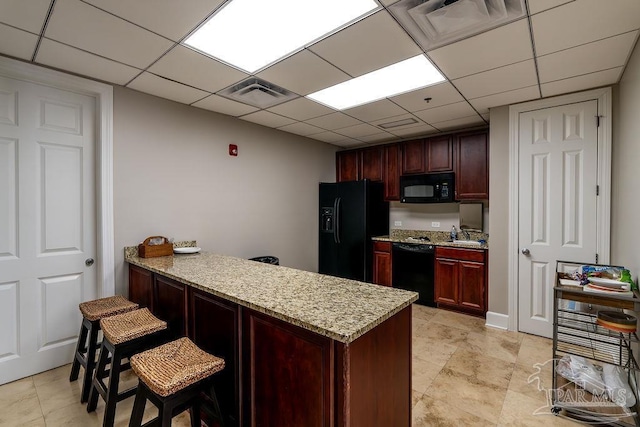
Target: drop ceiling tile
{"x":446,"y":112}
{"x":347,"y":143}
{"x":501,"y":46}
{"x":192,"y":68}
{"x":414,"y":131}
{"x":169,"y":18}
{"x":389,"y":2}
{"x":378,"y":137}
{"x":608,"y":53}
{"x":358,"y":130}
{"x":28,"y":15}
{"x":460,"y":123}
{"x":483,"y":104}
{"x":582,"y":22}
{"x":225,"y":106}
{"x":304,"y":73}
{"x":83,"y":26}
{"x":502,"y":79}
{"x":301,"y":129}
{"x":588,"y":81}
{"x":537,"y":6}
{"x":301,"y":109}
{"x":334,"y":121}
{"x":440,"y":94}
{"x":268,"y":119}
{"x":370,"y":44}
{"x":68,"y":58}
{"x":17,"y":43}
{"x":154,"y":85}
{"x":330,"y":137}
{"x":375,"y":110}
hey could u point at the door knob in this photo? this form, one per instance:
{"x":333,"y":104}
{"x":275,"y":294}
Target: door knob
{"x":89,"y":262}
{"x":525,"y":251}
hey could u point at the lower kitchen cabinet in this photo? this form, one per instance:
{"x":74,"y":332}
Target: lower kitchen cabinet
{"x":382,"y":263}
{"x":141,"y":287}
{"x":170,"y":304}
{"x":460,"y":279}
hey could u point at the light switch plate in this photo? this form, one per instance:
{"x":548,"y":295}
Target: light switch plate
{"x":397,"y":223}
{"x":435,"y":224}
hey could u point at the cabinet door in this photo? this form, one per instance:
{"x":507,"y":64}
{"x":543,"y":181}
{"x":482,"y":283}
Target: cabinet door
{"x":446,"y":281}
{"x":439,"y":154}
{"x":372,"y":164}
{"x":141,"y":286}
{"x":170,"y":304}
{"x":214,"y":327}
{"x":382,"y":263}
{"x":413,"y":157}
{"x":472,"y":289}
{"x":391,"y":172}
{"x":347,"y":165}
{"x":472,"y":172}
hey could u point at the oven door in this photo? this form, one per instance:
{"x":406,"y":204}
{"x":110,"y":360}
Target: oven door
{"x":413,"y":270}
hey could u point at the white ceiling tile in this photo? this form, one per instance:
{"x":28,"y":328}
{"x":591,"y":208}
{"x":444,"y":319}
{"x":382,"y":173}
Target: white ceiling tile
{"x":537,"y":6}
{"x":17,"y":43}
{"x":423,"y":129}
{"x":486,"y":117}
{"x":64,"y":57}
{"x":588,"y":81}
{"x":483,"y":104}
{"x":170,"y":18}
{"x":389,"y":2}
{"x":334,"y":121}
{"x":502,"y":79}
{"x":330,"y":137}
{"x":375,"y":110}
{"x":440,"y":94}
{"x":192,"y":68}
{"x":304,"y":73}
{"x":347,"y":143}
{"x":608,"y":53}
{"x":225,"y":106}
{"x":460,"y":123}
{"x":582,"y":22}
{"x":501,"y":46}
{"x":378,"y":137}
{"x":446,"y":112}
{"x":358,"y":130}
{"x":164,"y":88}
{"x":267,"y":118}
{"x":25,"y":14}
{"x":301,"y":109}
{"x":85,"y":27}
{"x":301,"y":129}
{"x":395,"y":119}
{"x":373,"y":43}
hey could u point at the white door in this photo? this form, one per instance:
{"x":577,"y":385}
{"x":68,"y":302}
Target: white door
{"x":558,"y":150}
{"x":47,"y":224}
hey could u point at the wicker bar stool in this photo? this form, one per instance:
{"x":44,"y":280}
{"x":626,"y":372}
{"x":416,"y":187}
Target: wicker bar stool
{"x":85,"y":355}
{"x":174,"y":377}
{"x":124,"y":335}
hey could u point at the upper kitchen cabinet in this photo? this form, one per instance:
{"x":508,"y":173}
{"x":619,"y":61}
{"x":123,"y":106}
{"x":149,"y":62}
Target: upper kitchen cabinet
{"x":379,"y":163}
{"x":392,"y":172}
{"x":472,"y":173}
{"x":347,"y":165}
{"x":439,"y":154}
{"x":413,"y":157}
{"x":372,"y":164}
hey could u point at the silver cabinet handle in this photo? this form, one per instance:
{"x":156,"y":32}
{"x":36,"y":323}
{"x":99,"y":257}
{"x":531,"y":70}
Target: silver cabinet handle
{"x":526,"y":251}
{"x":89,"y":262}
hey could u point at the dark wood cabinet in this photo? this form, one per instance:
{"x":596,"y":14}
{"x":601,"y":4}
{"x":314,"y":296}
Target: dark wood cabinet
{"x":472,"y":172}
{"x":382,"y":263}
{"x":170,"y":304}
{"x":413,"y":157}
{"x":141,"y":287}
{"x":391,"y":172}
{"x":460,"y":279}
{"x":372,"y":164}
{"x":347,"y":165}
{"x":439,"y":152}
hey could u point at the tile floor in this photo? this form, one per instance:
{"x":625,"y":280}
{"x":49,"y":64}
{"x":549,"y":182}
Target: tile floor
{"x":463,"y":374}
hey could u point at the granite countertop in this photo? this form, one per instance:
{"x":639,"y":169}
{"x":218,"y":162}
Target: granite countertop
{"x":437,"y":238}
{"x":337,"y":308}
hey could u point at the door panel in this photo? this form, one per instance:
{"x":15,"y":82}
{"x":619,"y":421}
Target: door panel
{"x":557,"y":203}
{"x":446,"y":285}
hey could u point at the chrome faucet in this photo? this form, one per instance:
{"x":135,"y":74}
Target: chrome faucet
{"x":466,"y":234}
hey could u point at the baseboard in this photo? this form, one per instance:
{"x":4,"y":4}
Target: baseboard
{"x":497,"y":320}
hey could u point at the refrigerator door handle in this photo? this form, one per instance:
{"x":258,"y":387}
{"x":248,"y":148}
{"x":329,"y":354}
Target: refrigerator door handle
{"x":336,"y":222}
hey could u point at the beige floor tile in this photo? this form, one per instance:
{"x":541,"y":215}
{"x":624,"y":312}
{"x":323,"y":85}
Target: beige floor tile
{"x":481,"y":368}
{"x":460,"y":321}
{"x":532,"y":381}
{"x":415,"y":397}
{"x":492,"y":345}
{"x":531,"y":353}
{"x":423,"y":312}
{"x":417,"y":325}
{"x":522,"y":411}
{"x":534,"y":340}
{"x":443,"y":334}
{"x":423,"y":375}
{"x":435,"y":352}
{"x":19,"y":403}
{"x":38,"y":422}
{"x":54,"y":389}
{"x":431,"y":412}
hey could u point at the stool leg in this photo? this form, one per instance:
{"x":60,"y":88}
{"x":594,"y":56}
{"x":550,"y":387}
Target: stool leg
{"x":165,"y":414}
{"x":195,"y":414}
{"x":75,"y":366}
{"x":112,"y":391}
{"x":216,"y":405}
{"x":138,"y":407}
{"x":98,"y":374}
{"x":91,"y":362}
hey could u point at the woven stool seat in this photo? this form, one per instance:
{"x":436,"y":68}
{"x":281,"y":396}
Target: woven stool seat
{"x":129,"y":326}
{"x":104,"y":307}
{"x":174,"y":366}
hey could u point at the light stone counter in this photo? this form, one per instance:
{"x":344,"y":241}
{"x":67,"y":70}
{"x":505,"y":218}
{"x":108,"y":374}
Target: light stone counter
{"x":337,"y":308}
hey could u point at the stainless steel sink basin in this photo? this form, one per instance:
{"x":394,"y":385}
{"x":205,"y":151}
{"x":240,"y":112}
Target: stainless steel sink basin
{"x":466,"y":242}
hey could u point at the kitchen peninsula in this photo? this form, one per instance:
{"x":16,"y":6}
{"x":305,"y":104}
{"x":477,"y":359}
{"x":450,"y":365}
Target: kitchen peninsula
{"x":301,"y":349}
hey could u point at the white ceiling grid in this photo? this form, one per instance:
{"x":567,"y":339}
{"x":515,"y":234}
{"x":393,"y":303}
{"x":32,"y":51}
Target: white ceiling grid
{"x":561,"y":46}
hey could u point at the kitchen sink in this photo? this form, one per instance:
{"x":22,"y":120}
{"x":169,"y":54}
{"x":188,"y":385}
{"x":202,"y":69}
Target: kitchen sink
{"x":466,"y":242}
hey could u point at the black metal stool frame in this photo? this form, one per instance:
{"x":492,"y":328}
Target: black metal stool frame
{"x":85,"y":355}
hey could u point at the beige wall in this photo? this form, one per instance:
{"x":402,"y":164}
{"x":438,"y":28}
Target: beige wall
{"x":173,"y":177}
{"x":420,"y":216}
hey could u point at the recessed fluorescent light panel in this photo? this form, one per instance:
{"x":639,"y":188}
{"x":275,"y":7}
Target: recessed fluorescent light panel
{"x":404,"y":76}
{"x":250,"y":34}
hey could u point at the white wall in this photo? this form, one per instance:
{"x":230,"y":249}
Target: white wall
{"x":173,"y":177}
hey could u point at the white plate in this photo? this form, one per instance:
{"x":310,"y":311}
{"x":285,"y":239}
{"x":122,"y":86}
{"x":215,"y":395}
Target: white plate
{"x":609,"y":283}
{"x":189,"y":250}
{"x":569,"y":282}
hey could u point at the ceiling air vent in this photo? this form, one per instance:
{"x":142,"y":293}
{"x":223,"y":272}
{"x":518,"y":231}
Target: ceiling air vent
{"x":398,"y":123}
{"x":258,"y":93}
{"x":435,"y":23}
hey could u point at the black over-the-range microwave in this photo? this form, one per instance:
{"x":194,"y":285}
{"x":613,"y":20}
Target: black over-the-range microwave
{"x":428,"y":188}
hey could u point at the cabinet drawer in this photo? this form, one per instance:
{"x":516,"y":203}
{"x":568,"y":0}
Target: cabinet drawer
{"x":381,"y":246}
{"x":460,"y":254}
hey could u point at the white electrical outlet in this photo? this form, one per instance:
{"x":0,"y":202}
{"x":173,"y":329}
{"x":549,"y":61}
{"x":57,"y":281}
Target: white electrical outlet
{"x":397,"y":223}
{"x":435,"y":224}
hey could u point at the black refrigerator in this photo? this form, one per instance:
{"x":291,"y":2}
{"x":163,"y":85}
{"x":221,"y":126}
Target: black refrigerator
{"x":350,"y":214}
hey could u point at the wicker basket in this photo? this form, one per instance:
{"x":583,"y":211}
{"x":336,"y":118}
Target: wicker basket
{"x":145,"y":250}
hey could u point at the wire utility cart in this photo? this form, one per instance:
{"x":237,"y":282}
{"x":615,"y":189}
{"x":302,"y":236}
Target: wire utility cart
{"x":576,"y":332}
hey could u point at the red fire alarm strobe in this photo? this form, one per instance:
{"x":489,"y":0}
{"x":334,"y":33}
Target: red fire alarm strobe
{"x":233,"y":150}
